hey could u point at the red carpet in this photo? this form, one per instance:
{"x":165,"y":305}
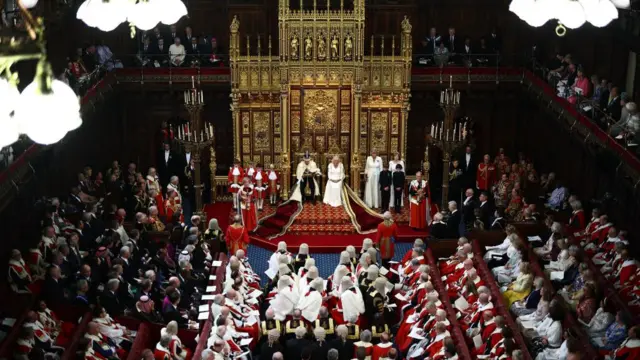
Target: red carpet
{"x":279,"y":222}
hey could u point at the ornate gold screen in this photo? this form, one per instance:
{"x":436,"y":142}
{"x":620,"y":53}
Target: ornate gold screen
{"x":319,"y":91}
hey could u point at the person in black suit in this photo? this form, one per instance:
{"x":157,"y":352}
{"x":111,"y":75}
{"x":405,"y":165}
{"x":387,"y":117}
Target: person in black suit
{"x":398,"y":180}
{"x":193,"y":52}
{"x":499,"y":223}
{"x":162,"y":53}
{"x":294,"y":347}
{"x":173,"y":33}
{"x":272,"y":345}
{"x":456,"y":181}
{"x":77,"y":206}
{"x":188,"y":35}
{"x":467,"y":52}
{"x":432,"y":40}
{"x":614,"y":106}
{"x":468,"y":206}
{"x":171,"y":312}
{"x":385,"y":182}
{"x":453,"y":223}
{"x":167,"y":165}
{"x":82,"y":301}
{"x":453,"y":45}
{"x":495,"y":40}
{"x":342,"y":344}
{"x":320,"y":347}
{"x":439,"y":229}
{"x":53,"y":289}
{"x":146,"y":53}
{"x":469,"y":167}
{"x":109,"y":299}
{"x":485,"y":210}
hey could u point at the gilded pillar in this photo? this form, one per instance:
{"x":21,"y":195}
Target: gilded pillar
{"x":285,"y":163}
{"x":355,"y":139}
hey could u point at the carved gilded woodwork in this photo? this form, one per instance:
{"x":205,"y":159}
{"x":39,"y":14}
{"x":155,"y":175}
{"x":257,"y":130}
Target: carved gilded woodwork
{"x":379,"y":131}
{"x":320,"y":110}
{"x":261,"y":134}
{"x":316,"y":83}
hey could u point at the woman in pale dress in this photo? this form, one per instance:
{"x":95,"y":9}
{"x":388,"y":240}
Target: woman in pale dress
{"x":510,"y":271}
{"x":392,"y":167}
{"x":335,"y":176}
{"x":531,"y":321}
{"x":372,"y":173}
{"x":597,"y":327}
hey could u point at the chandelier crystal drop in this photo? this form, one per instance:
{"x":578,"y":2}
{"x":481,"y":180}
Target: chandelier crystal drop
{"x":106,"y":15}
{"x":570,"y":13}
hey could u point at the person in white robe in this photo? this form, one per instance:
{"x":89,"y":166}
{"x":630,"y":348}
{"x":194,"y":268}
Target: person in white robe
{"x":499,"y":250}
{"x":305,"y":281}
{"x":351,"y":299}
{"x":111,"y":329}
{"x":311,"y":302}
{"x":392,"y":167}
{"x":372,"y":170}
{"x":306,"y":166}
{"x":531,"y":321}
{"x":597,"y":327}
{"x":307,"y":265}
{"x":345,"y":260}
{"x":560,"y":353}
{"x":510,"y":271}
{"x":275,"y":258}
{"x":286,"y":299}
{"x":335,"y":177}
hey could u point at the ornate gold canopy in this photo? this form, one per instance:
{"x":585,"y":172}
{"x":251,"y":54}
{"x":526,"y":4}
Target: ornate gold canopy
{"x":320,"y":90}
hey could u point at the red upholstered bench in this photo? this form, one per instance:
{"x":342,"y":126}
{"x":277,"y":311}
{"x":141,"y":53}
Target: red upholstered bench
{"x":456,"y":332}
{"x":81,"y":329}
{"x":206,"y":326}
{"x":140,"y":343}
{"x":497,"y":298}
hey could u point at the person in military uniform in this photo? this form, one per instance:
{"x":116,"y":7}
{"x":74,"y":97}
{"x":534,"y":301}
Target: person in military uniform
{"x":291,"y":325}
{"x":325,"y":322}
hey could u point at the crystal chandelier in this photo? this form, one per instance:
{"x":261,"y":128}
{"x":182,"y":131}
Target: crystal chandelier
{"x":47,"y":109}
{"x":106,"y":15}
{"x":570,"y":13}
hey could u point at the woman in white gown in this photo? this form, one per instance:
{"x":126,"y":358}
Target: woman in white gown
{"x":335,"y":176}
{"x":372,"y":172}
{"x":392,"y":167}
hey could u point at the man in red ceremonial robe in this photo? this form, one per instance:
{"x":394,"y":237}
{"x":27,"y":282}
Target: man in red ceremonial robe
{"x":236,"y":173}
{"x":365,"y":342}
{"x":382,"y":349}
{"x":417,"y":244}
{"x":387,"y":233}
{"x":19,"y":276}
{"x":630,"y":348}
{"x":591,"y":227}
{"x":627,"y":270}
{"x":420,"y":205}
{"x":161,"y":352}
{"x":237,"y":236}
{"x":599,"y":234}
{"x":153,"y":182}
{"x":246,"y":199}
{"x":260,"y":186}
{"x":577,"y":221}
{"x":455,"y":263}
{"x":274,"y":184}
{"x":486,"y":175}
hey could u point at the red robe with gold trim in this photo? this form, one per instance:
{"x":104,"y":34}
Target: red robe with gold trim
{"x":381,"y":350}
{"x":386,"y":232}
{"x":234,"y":178}
{"x":420,"y":212}
{"x":237,"y":238}
{"x":248,"y":208}
{"x":486,"y":176}
{"x":368,"y":347}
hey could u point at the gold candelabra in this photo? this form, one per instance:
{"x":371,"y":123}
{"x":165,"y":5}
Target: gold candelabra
{"x":447,"y":135}
{"x":195,"y":137}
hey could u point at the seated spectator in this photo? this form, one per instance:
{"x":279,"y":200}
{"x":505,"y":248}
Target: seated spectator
{"x":628,"y":126}
{"x":177,"y":350}
{"x":630,"y":348}
{"x":43,"y":339}
{"x":441,"y":55}
{"x":548,"y":333}
{"x":103,"y":345}
{"x":573,"y":283}
{"x":510,"y":271}
{"x":533,"y":320}
{"x":600,"y":321}
{"x":145,"y":310}
{"x":161,"y":55}
{"x":146,"y":53}
{"x":580,"y":88}
{"x":520,"y":287}
{"x":108,"y":327}
{"x":530,"y":303}
{"x":177,"y":53}
{"x":20,"y":279}
{"x":587,"y":305}
{"x":556,"y":235}
{"x":607,"y":333}
{"x":499,"y":255}
{"x":162,"y":351}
